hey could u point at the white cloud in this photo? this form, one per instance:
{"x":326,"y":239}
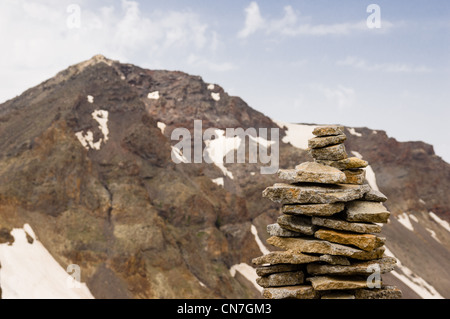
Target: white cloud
{"x":382,"y":67}
{"x":288,"y":25}
{"x":253,"y":20}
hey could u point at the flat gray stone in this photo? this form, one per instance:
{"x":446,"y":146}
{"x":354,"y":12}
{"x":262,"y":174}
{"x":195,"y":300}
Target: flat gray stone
{"x":313,"y":209}
{"x":382,"y":265}
{"x":385,"y":292}
{"x":316,"y":246}
{"x":366,"y":242}
{"x":290,"y":292}
{"x":329,"y":153}
{"x":273,"y":269}
{"x":295,"y":223}
{"x":339,"y":224}
{"x":290,"y":278}
{"x":284,"y":257}
{"x":366,"y":211}
{"x":327,"y":130}
{"x":277,"y":230}
{"x":337,"y":282}
{"x":318,"y":142}
{"x":346,"y":163}
{"x":335,"y":260}
{"x":338,"y":295}
{"x":314,"y":194}
{"x":374,"y":196}
{"x":312,"y":172}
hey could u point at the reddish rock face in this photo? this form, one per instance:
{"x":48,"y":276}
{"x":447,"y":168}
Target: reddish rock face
{"x":141,"y":226}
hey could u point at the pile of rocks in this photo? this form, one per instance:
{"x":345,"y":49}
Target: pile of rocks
{"x":327,"y":232}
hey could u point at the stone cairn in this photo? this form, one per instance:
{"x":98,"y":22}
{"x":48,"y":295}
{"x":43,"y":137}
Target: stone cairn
{"x":327,"y":232}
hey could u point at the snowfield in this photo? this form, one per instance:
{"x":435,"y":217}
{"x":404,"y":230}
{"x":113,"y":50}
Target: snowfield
{"x":297,"y":134}
{"x":30,"y":272}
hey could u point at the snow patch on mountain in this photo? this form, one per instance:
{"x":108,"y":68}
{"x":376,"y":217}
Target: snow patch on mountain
{"x":414,"y":218}
{"x":87,"y":140}
{"x":248,"y":272}
{"x":353,"y":132}
{"x":153,"y":95}
{"x":433,"y":235}
{"x":211,"y":87}
{"x":370,"y":174}
{"x":90,"y":99}
{"x":178,"y":155}
{"x":440,"y":221}
{"x":161,"y":126}
{"x":30,"y":272}
{"x":218,"y":181}
{"x":405,"y":221}
{"x":412,"y":280}
{"x":217,"y":148}
{"x":297,"y":134}
{"x":215,"y":96}
{"x":101,"y":116}
{"x":371,"y":178}
{"x":261,"y":246}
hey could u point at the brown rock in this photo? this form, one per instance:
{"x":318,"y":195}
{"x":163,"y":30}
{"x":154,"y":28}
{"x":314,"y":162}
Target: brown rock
{"x":290,"y":292}
{"x":385,"y":292}
{"x":290,"y":278}
{"x":273,"y":269}
{"x":330,"y":153}
{"x":338,"y":295}
{"x":382,"y":265}
{"x":337,"y":283}
{"x":314,"y":209}
{"x":306,"y":245}
{"x":284,"y":257}
{"x":276,"y":230}
{"x":347,"y":163}
{"x":374,"y":196}
{"x":312,"y":172}
{"x":314,"y":194}
{"x":318,"y":142}
{"x":328,"y":130}
{"x":366,"y":211}
{"x":366,"y":242}
{"x":339,"y":224}
{"x":300,"y":224}
{"x":334,"y":260}
{"x":355,"y":176}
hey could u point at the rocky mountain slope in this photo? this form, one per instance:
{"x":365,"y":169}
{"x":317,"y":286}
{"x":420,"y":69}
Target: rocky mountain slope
{"x":87,"y":179}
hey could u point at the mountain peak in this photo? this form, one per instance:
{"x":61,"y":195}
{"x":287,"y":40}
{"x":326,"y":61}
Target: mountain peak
{"x":96,"y":59}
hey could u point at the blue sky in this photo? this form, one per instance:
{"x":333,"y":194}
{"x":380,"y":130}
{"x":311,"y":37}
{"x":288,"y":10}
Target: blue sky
{"x":295,"y":61}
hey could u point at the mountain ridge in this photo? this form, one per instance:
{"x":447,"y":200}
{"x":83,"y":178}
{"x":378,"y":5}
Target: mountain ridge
{"x":139,"y":224}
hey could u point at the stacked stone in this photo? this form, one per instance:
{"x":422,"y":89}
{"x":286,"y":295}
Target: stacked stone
{"x":328,"y":232}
